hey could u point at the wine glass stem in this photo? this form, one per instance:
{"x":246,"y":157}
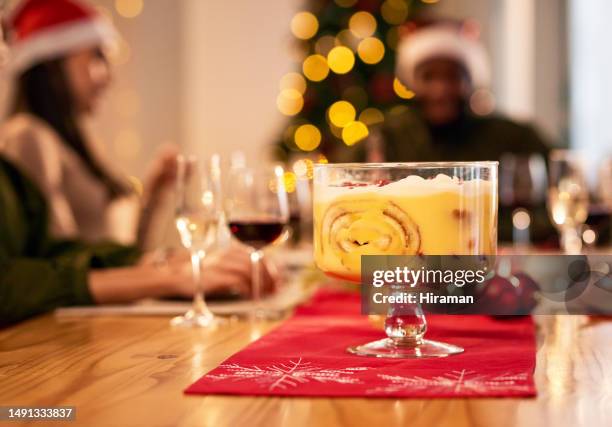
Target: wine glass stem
{"x":256,"y":256}
{"x":571,"y":241}
{"x":199,"y":304}
{"x":405,"y":324}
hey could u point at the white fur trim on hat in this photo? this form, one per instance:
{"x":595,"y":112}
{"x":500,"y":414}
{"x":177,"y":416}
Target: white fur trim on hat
{"x":57,"y":41}
{"x":442,"y":42}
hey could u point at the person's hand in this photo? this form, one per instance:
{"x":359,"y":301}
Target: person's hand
{"x":227,"y":270}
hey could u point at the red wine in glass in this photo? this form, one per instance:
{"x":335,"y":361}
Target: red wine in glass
{"x":256,"y":232}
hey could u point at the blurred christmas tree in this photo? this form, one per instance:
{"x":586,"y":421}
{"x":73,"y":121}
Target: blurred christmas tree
{"x":345,"y":50}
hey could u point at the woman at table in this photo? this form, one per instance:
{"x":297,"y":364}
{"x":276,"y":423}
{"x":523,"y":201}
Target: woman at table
{"x":60,"y":68}
{"x":39,"y":271}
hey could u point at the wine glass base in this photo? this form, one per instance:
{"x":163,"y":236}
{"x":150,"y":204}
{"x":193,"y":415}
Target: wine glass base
{"x":386,"y":348}
{"x":192,"y":319}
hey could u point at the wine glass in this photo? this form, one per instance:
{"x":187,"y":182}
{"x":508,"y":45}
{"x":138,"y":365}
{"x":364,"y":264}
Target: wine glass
{"x":257,"y":215}
{"x":447,"y":208}
{"x":197,"y":220}
{"x":522,"y":191}
{"x":568,"y":198}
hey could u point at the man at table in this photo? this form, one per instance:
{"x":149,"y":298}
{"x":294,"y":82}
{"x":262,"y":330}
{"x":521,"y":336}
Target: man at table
{"x":450,"y":117}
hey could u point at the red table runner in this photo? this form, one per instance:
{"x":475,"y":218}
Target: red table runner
{"x":306,"y":356}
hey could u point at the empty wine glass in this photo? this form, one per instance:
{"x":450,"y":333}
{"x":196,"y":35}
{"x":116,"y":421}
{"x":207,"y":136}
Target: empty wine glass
{"x":257,"y":215}
{"x":568,"y":198}
{"x":197,"y":220}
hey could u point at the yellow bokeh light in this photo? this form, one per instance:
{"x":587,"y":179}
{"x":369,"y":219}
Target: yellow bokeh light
{"x":354,"y":132}
{"x":401,"y":90}
{"x":304,"y":168}
{"x":322,"y":159}
{"x":430,"y":1}
{"x":307,"y":137}
{"x":289,"y":180}
{"x":362,"y":24}
{"x":371,"y":116}
{"x":394,"y":12}
{"x":129,"y":8}
{"x":315,"y":68}
{"x":341,"y":113}
{"x":341,"y":59}
{"x":304,"y":25}
{"x":324,"y":44}
{"x":289,"y":102}
{"x":293,"y":81}
{"x":345,"y":3}
{"x":371,"y":50}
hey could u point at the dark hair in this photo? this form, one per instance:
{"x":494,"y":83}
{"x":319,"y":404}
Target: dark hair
{"x":43,"y":91}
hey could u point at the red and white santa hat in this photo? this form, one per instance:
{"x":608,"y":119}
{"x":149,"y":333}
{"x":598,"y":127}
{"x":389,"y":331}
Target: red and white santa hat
{"x":443,"y":40}
{"x":41,"y":30}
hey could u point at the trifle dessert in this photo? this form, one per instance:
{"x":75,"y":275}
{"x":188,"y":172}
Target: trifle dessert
{"x":402,"y":209}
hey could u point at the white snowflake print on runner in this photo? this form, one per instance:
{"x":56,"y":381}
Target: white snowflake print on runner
{"x":457,"y":382}
{"x":284,"y":375}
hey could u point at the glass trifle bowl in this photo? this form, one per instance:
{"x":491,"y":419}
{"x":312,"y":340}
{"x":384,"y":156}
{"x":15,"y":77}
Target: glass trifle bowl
{"x":445,"y":208}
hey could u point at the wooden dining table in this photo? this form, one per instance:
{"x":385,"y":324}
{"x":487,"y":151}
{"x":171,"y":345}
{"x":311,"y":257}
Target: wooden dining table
{"x":131,"y":371}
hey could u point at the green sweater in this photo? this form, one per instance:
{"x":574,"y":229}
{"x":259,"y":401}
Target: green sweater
{"x":37,"y":273}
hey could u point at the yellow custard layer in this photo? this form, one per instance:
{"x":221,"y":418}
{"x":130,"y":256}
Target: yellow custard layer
{"x":441,"y":216}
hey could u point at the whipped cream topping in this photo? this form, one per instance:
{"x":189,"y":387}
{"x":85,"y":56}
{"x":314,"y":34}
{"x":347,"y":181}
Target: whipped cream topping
{"x":412,"y":185}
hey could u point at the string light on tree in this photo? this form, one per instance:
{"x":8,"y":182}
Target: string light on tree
{"x":401,"y":90}
{"x":315,"y":68}
{"x":341,"y":59}
{"x":362,"y":24}
{"x":304,"y":25}
{"x":290,"y":102}
{"x":307,"y":137}
{"x":371,"y":50}
{"x":341,"y":113}
{"x":289,"y":180}
{"x":345,"y":49}
{"x":354,"y":132}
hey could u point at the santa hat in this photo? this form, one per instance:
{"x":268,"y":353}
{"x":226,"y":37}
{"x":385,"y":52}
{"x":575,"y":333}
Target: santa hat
{"x":443,"y":41}
{"x":41,"y":30}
